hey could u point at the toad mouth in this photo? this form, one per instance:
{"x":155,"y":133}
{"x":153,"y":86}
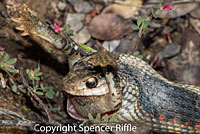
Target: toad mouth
{"x":74,"y":114}
{"x":72,"y":110}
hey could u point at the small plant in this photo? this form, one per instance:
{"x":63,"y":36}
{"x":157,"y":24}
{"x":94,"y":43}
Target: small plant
{"x":68,"y":31}
{"x":6,"y":63}
{"x":49,"y":92}
{"x":106,"y":118}
{"x":137,"y":54}
{"x":143,"y":22}
{"x":35,"y":75}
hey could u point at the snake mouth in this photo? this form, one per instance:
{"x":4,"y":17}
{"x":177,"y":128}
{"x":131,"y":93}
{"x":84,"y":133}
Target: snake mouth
{"x":76,"y":115}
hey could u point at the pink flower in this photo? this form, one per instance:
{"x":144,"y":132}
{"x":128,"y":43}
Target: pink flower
{"x":167,"y":7}
{"x":57,"y":28}
{"x":1,"y":48}
{"x":32,"y":72}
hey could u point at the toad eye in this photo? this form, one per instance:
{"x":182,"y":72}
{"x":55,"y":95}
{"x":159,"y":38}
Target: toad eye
{"x":91,"y":82}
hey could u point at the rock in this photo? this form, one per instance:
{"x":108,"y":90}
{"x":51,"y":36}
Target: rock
{"x":83,"y":36}
{"x":75,"y":21}
{"x":170,"y":51}
{"x":109,"y":27}
{"x":178,"y":10}
{"x":82,"y":6}
{"x":61,"y":5}
{"x":91,"y":43}
{"x":127,"y":43}
{"x":113,"y":44}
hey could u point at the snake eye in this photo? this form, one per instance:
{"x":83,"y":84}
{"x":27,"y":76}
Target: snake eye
{"x":91,"y":82}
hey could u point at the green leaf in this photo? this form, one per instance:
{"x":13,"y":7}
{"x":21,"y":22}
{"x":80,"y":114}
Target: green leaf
{"x":46,"y":89}
{"x":90,"y":117}
{"x":10,"y":69}
{"x":39,"y":93}
{"x":50,"y":95}
{"x":136,"y":53}
{"x":85,"y":47}
{"x":139,"y":21}
{"x":36,"y":87}
{"x":146,"y":23}
{"x":26,"y":109}
{"x":98,"y":117}
{"x":6,"y":57}
{"x":50,"y":50}
{"x":36,"y":78}
{"x":38,"y":74}
{"x":36,"y":70}
{"x":105,"y":118}
{"x":140,"y":56}
{"x":134,"y":27}
{"x":143,"y":18}
{"x":70,"y":32}
{"x":1,"y":64}
{"x":28,"y":71}
{"x":11,"y":61}
{"x":113,"y":118}
{"x":53,"y":109}
{"x":21,"y":88}
{"x":1,"y":53}
{"x":57,"y":93}
{"x":67,"y":27}
{"x":14,"y":88}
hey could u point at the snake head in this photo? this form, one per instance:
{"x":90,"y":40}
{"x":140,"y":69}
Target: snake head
{"x":91,"y":91}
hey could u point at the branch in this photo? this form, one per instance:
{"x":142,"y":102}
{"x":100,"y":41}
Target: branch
{"x":8,"y":112}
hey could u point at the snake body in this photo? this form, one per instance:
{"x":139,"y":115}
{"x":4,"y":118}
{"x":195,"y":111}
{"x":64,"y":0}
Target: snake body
{"x":125,"y":85}
{"x":148,"y":97}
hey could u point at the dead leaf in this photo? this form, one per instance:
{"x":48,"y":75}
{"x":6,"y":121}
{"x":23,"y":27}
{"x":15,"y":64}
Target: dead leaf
{"x":126,"y":8}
